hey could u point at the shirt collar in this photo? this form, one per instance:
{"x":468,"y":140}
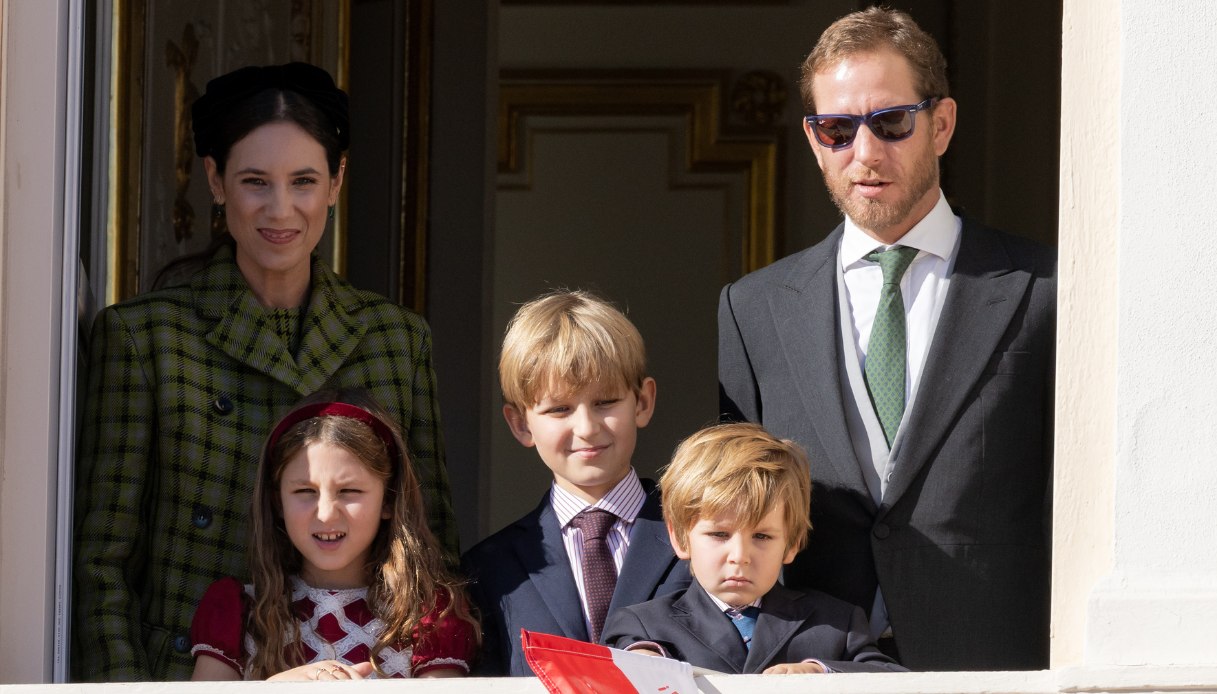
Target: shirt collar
{"x":723,"y":607}
{"x":624,"y":500}
{"x":936,"y":233}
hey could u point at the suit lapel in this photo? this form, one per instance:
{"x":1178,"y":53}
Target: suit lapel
{"x":984,"y":294}
{"x":649,"y":556}
{"x":804,"y":308}
{"x":549,"y":569}
{"x":696,"y":613}
{"x":782,"y":613}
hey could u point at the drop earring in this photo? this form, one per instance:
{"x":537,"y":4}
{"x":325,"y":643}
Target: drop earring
{"x":330,"y":214}
{"x":218,"y":225}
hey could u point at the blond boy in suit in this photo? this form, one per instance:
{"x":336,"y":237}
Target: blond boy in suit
{"x":736,"y":500}
{"x":573,"y":373}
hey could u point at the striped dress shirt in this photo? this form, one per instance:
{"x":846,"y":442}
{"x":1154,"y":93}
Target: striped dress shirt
{"x":624,"y":501}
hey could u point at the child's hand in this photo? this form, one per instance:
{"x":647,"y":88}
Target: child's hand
{"x":646,"y":648}
{"x":324,"y":670}
{"x":795,"y":669}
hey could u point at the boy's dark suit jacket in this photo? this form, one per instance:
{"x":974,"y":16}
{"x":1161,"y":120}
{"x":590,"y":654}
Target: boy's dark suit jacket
{"x":960,"y":542}
{"x":521,"y":579}
{"x":792,"y":627}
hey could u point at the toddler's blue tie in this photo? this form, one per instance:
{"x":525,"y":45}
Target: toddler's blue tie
{"x":744,"y":621}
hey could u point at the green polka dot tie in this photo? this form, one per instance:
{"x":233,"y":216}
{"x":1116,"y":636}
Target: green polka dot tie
{"x":886,"y":355}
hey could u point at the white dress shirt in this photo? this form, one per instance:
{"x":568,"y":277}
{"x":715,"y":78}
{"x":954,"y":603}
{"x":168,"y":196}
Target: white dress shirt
{"x":924,"y":290}
{"x":923,"y":287}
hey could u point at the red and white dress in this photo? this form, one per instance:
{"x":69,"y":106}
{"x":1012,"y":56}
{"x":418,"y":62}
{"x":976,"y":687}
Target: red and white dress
{"x":334,"y":625}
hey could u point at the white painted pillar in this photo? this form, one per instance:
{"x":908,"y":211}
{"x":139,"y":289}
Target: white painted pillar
{"x":1157,"y":603}
{"x":35,"y":208}
{"x":1086,"y":327}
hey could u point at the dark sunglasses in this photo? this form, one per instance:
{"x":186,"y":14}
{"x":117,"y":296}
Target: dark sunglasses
{"x":838,"y":130}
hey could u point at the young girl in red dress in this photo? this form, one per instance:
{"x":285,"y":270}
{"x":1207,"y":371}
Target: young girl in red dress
{"x":348,"y":581}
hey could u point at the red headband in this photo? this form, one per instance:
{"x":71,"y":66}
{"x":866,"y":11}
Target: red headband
{"x":335,"y":409}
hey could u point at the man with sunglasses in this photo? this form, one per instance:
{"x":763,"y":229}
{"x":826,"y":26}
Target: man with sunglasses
{"x":911,"y":352}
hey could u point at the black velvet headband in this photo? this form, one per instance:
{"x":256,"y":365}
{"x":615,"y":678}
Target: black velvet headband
{"x":225,"y":91}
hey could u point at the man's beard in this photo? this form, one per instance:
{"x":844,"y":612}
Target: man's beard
{"x":877,"y":216}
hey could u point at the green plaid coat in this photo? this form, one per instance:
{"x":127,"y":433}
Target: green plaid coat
{"x":184,"y":384}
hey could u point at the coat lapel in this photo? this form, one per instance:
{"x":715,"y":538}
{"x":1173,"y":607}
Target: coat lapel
{"x":240,"y":327}
{"x":783,"y":612}
{"x":697,"y":614}
{"x":549,"y":569}
{"x":650,"y":555}
{"x":984,"y":295}
{"x":805,"y":310}
{"x":332,"y":331}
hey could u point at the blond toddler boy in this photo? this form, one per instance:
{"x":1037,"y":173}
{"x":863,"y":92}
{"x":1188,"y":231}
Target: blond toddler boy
{"x":736,"y":500}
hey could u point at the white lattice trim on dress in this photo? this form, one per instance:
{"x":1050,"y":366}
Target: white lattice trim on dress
{"x":333,"y":604}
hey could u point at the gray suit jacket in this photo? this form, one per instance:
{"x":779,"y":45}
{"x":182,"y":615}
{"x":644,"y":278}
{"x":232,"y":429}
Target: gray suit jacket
{"x":792,"y":627}
{"x":521,"y":579}
{"x":960,"y":540}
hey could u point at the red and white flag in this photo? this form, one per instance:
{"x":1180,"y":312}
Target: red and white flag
{"x":569,"y":666}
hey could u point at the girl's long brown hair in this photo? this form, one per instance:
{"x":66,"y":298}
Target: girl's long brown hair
{"x":406,"y":571}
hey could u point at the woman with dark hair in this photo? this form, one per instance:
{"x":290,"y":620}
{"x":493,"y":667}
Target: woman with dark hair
{"x":185,"y":382}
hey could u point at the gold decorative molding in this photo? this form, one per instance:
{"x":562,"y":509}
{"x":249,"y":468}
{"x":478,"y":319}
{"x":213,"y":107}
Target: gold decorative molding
{"x":758,"y":98}
{"x":415,"y":160}
{"x":301,"y":28}
{"x":181,"y":59}
{"x":343,"y":77}
{"x":697,"y":96}
{"x":125,"y":147}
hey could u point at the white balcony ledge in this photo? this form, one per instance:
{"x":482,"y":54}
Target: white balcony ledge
{"x":1074,"y":680}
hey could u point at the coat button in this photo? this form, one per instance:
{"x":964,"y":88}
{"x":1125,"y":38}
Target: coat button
{"x":882,"y":531}
{"x":201,"y":516}
{"x":222,"y":405}
{"x":181,"y":644}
